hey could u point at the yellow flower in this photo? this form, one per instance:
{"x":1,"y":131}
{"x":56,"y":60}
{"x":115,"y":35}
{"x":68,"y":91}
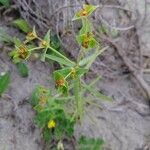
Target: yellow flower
{"x":51,"y":124}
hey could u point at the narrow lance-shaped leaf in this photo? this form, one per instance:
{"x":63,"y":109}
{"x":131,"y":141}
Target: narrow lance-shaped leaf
{"x":5,"y":2}
{"x":17,"y":42}
{"x":47,"y":37}
{"x":58,"y":59}
{"x":23,"y":69}
{"x":86,"y":26}
{"x":45,"y":44}
{"x":91,"y":58}
{"x":96,"y":93}
{"x":22,"y":25}
{"x":65,"y":71}
{"x":4,"y":82}
{"x":4,"y":37}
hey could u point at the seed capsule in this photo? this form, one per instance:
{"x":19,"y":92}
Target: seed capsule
{"x":23,"y":52}
{"x":84,"y":13}
{"x":60,"y":82}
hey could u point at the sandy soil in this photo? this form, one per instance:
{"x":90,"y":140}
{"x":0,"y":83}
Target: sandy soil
{"x":124,"y":124}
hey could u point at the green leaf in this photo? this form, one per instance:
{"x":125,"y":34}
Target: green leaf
{"x":80,"y":38}
{"x":4,"y":37}
{"x":47,"y":135}
{"x":62,"y":88}
{"x":90,"y":143}
{"x":4,"y":82}
{"x":42,"y":118}
{"x":64,"y":71}
{"x":58,"y":76}
{"x":34,"y":98}
{"x":96,"y":93}
{"x":86,"y":26}
{"x":78,"y":98}
{"x":22,"y":25}
{"x":88,"y":61}
{"x":89,"y":10}
{"x":67,"y":70}
{"x":58,"y":59}
{"x":81,"y":71}
{"x":37,"y":93}
{"x":17,"y":41}
{"x":54,"y":42}
{"x":23,"y":69}
{"x":61,"y":56}
{"x":47,"y":37}
{"x":91,"y":42}
{"x":43,"y":56}
{"x":5,"y":2}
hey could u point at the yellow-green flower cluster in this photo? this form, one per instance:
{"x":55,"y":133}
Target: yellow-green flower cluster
{"x":51,"y":124}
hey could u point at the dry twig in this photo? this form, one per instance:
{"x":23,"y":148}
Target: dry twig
{"x":135,"y":73}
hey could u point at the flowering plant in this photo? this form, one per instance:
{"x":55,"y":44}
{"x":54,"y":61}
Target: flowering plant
{"x":59,"y":109}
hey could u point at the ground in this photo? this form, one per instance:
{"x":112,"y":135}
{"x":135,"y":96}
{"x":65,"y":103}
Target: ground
{"x":124,"y":124}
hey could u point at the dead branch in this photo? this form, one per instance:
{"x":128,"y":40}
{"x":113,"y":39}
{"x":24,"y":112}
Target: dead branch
{"x":135,"y":73}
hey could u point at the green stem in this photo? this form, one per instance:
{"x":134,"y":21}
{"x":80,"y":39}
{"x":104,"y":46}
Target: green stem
{"x":68,"y":75}
{"x":79,"y":101}
{"x":80,"y":55}
{"x":34,"y":49}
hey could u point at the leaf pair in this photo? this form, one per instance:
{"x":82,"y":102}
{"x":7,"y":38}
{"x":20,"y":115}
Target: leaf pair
{"x":87,"y":41}
{"x":85,"y":12}
{"x":86,"y":38}
{"x":77,"y":71}
{"x":61,"y":83}
{"x":20,"y":53}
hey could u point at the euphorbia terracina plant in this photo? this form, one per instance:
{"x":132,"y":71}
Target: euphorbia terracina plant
{"x":59,"y":109}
